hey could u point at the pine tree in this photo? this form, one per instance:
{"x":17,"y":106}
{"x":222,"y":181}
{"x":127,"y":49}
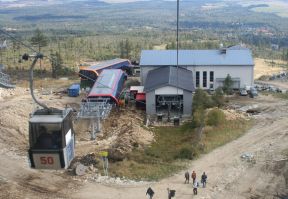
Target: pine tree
{"x":56,"y":63}
{"x":227,"y":85}
{"x":39,"y":39}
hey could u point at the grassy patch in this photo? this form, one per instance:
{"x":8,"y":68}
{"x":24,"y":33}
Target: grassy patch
{"x":221,"y":135}
{"x":144,"y":170}
{"x":172,"y":149}
{"x":48,"y":83}
{"x":281,"y":95}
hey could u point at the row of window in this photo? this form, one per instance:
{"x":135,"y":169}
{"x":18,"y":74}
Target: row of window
{"x":204,"y":83}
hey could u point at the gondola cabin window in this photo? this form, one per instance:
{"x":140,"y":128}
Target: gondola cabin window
{"x":46,"y":136}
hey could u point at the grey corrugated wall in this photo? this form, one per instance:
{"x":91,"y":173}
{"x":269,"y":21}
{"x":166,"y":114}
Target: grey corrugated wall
{"x":187,"y":103}
{"x":150,"y":103}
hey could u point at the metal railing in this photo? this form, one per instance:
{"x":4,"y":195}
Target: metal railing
{"x":5,"y":80}
{"x":95,"y":111}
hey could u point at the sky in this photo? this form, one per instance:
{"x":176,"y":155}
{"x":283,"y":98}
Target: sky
{"x":119,"y":1}
{"x":122,"y":1}
{"x":110,"y":1}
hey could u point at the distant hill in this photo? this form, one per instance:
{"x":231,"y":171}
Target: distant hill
{"x":29,"y":3}
{"x":92,"y":16}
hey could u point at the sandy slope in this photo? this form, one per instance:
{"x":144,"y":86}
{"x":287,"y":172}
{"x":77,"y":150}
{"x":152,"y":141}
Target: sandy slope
{"x":262,"y":67}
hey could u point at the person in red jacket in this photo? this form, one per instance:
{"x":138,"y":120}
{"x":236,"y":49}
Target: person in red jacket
{"x":193,"y":176}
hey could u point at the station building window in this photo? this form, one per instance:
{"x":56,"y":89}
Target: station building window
{"x":211,"y":76}
{"x":197,"y":79}
{"x":204,"y":79}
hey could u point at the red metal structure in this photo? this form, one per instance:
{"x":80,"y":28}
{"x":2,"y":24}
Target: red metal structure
{"x":109,"y":84}
{"x":90,"y":74}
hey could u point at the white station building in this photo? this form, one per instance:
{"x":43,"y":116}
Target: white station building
{"x":209,"y":67}
{"x":167,"y":86}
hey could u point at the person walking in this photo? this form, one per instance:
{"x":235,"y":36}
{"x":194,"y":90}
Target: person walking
{"x":187,"y":176}
{"x":150,"y":193}
{"x":204,"y":179}
{"x":193,"y":175}
{"x":171,"y":193}
{"x":195,"y":187}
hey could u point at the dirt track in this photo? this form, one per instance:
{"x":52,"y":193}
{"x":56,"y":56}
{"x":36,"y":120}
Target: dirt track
{"x":228,"y":175}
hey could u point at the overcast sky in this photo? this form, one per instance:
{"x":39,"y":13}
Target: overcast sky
{"x":100,"y":0}
{"x":110,"y":1}
{"x":120,"y":1}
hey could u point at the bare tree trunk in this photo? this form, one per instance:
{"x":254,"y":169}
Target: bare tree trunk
{"x":200,"y":132}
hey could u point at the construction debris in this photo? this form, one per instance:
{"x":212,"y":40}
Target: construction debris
{"x":89,"y":159}
{"x":122,"y":134}
{"x":116,"y":181}
{"x":250,"y":109}
{"x":231,"y":114}
{"x":80,"y":169}
{"x":248,"y":157}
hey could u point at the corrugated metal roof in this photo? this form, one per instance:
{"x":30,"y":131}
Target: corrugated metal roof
{"x":167,"y":76}
{"x":232,"y":57}
{"x":107,"y":82}
{"x":237,"y":47}
{"x":105,"y":64}
{"x":104,"y":83}
{"x":46,"y":119}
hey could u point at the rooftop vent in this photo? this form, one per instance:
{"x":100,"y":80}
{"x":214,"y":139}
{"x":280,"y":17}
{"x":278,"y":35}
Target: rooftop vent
{"x":223,"y":50}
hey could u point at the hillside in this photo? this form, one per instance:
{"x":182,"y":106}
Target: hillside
{"x":93,"y":16}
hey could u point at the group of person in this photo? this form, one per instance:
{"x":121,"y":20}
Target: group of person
{"x":195,"y":182}
{"x":171,"y":193}
{"x":150,"y":193}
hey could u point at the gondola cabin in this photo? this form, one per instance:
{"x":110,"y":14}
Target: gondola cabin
{"x":109,"y":85}
{"x":90,"y":74}
{"x":51,"y":139}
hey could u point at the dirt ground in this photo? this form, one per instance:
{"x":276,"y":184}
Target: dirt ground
{"x":262,"y":67}
{"x":229,"y":176}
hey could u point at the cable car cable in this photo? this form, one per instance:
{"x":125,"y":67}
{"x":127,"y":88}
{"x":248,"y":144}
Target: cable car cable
{"x":14,"y":38}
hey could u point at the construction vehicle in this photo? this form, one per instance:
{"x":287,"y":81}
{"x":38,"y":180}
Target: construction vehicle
{"x":51,"y":133}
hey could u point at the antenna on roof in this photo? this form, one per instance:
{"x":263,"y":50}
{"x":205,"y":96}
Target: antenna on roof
{"x":222,"y":49}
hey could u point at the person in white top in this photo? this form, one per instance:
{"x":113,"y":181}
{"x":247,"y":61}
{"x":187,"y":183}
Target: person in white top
{"x":195,"y":187}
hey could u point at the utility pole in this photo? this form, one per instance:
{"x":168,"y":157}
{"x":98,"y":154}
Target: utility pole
{"x":177,"y":56}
